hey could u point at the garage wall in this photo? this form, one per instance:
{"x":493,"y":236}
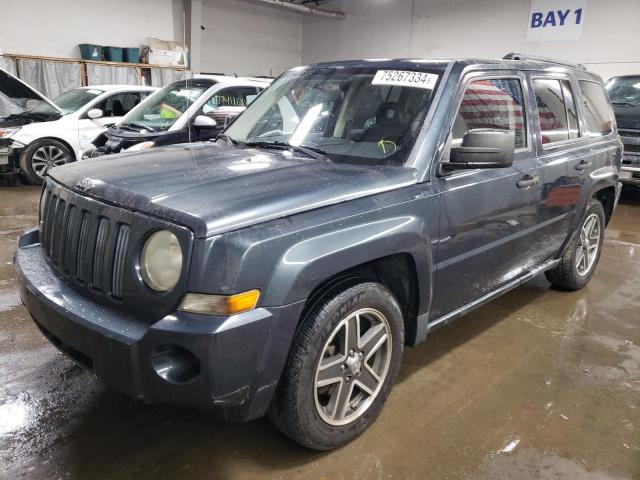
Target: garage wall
{"x":55,"y":28}
{"x":482,"y":28}
{"x":248,"y":39}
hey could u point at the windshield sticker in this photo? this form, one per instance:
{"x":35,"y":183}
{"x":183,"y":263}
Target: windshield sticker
{"x":405,"y":79}
{"x":94,"y":92}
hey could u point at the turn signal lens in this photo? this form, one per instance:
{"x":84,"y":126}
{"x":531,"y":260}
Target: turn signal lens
{"x":220,"y":304}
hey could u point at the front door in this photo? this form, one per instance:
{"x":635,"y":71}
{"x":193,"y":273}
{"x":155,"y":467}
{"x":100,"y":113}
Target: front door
{"x":487,"y":215}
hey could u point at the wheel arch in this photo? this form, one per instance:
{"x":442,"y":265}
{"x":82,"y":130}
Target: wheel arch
{"x":57,"y":139}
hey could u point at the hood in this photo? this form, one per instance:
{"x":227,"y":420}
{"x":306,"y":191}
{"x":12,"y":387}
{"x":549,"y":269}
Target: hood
{"x":627,"y":117}
{"x":214,"y":189}
{"x":15,"y":95}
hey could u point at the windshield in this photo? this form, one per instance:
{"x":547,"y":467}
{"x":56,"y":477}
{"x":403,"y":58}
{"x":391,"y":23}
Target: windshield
{"x":70,"y":101}
{"x":624,"y":91}
{"x":164,"y":108}
{"x":359,"y":115}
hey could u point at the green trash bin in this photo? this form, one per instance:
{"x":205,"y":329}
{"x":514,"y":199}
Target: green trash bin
{"x":131,"y":55}
{"x":113,"y":54}
{"x":89,"y":51}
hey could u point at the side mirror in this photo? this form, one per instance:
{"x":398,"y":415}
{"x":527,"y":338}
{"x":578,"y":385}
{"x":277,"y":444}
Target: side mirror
{"x":483,"y":148}
{"x":203,"y":121}
{"x":94,"y":113}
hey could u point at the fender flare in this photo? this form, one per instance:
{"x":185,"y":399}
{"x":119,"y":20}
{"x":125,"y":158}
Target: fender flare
{"x":308,"y":263}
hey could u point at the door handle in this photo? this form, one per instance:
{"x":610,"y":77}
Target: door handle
{"x":528,"y":181}
{"x":583,"y":165}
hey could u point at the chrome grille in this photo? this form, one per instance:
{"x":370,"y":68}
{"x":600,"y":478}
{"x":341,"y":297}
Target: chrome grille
{"x":629,"y":133}
{"x":630,"y":148}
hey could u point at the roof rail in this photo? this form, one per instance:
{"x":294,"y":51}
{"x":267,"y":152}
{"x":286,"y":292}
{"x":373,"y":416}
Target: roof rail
{"x":526,"y":56}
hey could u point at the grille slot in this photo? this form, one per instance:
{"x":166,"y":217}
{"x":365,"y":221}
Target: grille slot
{"x":82,"y":246}
{"x":98,"y":252}
{"x":119,"y":257}
{"x":69,"y":245}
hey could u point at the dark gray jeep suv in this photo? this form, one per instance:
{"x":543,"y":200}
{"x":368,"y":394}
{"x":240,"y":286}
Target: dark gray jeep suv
{"x":353,"y":208}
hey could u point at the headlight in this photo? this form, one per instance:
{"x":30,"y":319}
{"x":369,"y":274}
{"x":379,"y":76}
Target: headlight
{"x":161,"y":261}
{"x":8,"y":131}
{"x":140,"y":146}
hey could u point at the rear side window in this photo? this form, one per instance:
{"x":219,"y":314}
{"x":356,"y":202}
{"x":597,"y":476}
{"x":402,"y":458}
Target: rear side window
{"x":492,"y":103}
{"x":597,"y":110}
{"x":556,"y":110}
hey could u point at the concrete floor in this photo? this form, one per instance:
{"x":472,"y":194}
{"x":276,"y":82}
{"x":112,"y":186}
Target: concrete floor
{"x":540,"y":384}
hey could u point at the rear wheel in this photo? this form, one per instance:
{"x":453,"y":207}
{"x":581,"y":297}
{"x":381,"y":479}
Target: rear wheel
{"x":581,"y":257}
{"x":41,"y":156}
{"x":341,"y":367}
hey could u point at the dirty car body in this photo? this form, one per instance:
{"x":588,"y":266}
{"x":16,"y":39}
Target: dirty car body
{"x":291,"y":219}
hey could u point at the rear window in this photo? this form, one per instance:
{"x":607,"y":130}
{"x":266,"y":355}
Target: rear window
{"x":598,"y":112}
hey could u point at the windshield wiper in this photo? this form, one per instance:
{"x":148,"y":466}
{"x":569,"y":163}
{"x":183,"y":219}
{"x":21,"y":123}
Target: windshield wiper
{"x":628,"y":104}
{"x":141,"y":125}
{"x":311,"y":152}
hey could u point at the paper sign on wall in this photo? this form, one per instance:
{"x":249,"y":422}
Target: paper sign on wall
{"x":555,"y":20}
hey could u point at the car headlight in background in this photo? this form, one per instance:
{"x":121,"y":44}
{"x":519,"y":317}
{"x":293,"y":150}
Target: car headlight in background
{"x":161,"y":261}
{"x":140,"y":146}
{"x":8,"y":132}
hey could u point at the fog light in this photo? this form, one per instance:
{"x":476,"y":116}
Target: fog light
{"x":175,"y":364}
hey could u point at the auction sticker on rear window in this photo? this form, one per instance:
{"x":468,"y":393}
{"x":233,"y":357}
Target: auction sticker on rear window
{"x":405,"y":79}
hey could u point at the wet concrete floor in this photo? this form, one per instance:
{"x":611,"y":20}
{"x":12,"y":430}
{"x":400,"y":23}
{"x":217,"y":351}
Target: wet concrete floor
{"x":540,"y":384}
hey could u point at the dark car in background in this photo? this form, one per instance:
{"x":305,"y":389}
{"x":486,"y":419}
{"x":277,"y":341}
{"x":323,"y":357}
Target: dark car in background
{"x":195,"y":109}
{"x":624,"y":93}
{"x":352,"y":209}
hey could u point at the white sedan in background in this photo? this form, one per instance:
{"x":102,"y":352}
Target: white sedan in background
{"x":57,"y":132}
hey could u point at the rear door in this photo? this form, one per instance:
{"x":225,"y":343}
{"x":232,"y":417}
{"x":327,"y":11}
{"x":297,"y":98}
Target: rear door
{"x":487,"y":215}
{"x":565,"y":157}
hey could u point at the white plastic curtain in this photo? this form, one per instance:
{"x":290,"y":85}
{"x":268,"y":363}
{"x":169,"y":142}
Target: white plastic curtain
{"x":8,"y":65}
{"x":111,"y":75}
{"x":50,"y":78}
{"x":163,"y":76}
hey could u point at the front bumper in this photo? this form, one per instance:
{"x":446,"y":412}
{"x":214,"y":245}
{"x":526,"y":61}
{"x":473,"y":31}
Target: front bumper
{"x":10,"y":156}
{"x":239,"y":358}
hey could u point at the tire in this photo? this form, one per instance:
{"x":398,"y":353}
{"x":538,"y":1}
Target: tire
{"x":575,"y":269}
{"x":42,"y":155}
{"x":309,"y":412}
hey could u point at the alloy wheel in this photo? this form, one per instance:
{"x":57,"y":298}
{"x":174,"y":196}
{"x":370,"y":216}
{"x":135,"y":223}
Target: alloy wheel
{"x":46,"y":158}
{"x":588,"y":244}
{"x":353,"y":366}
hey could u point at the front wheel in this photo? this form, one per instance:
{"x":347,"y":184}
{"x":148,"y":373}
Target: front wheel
{"x":581,"y":257}
{"x":41,"y":156}
{"x":341,"y":367}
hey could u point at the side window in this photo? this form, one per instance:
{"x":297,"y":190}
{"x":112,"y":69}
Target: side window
{"x":598,"y":112}
{"x":572,"y":114}
{"x":119,"y":104}
{"x":230,"y":97}
{"x":552,"y":112}
{"x":492,"y":103}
